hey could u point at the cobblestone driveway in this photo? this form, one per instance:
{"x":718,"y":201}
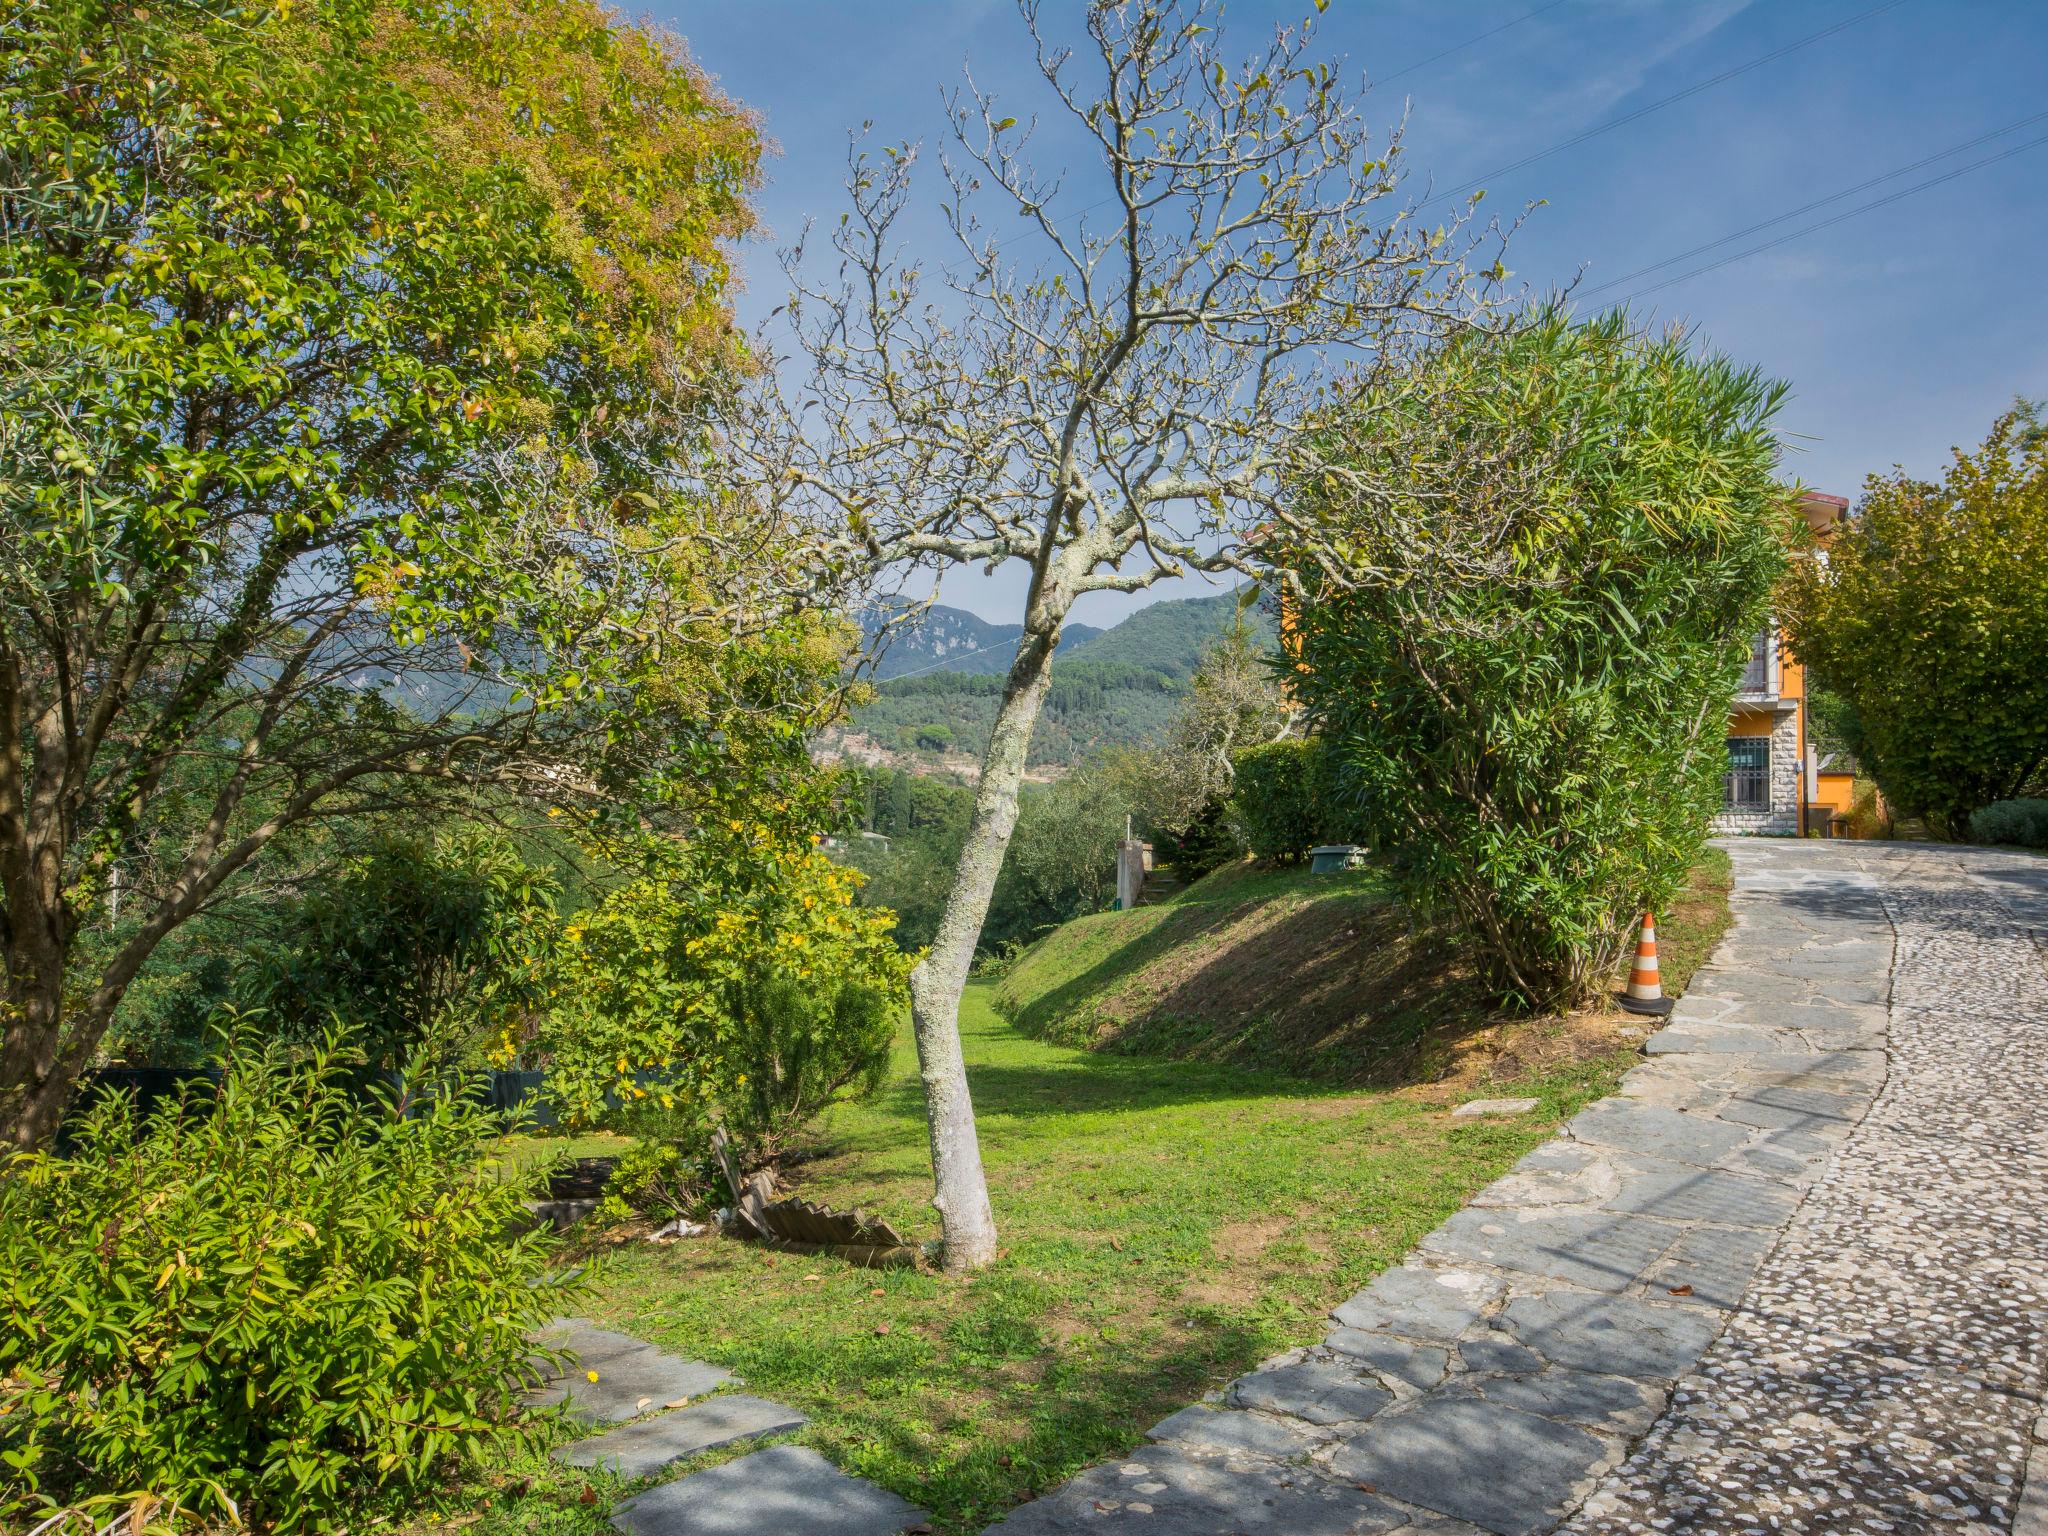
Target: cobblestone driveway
{"x":1790,"y":1279}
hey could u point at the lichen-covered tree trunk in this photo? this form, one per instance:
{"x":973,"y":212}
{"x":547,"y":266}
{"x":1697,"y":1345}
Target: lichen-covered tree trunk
{"x":960,"y":1193}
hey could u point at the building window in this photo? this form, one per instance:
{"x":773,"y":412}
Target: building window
{"x":1756,"y":677}
{"x":1747,"y":784}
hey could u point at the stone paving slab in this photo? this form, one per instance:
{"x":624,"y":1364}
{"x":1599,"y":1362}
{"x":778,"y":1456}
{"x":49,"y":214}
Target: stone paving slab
{"x":1172,"y":1490}
{"x":633,"y":1377}
{"x":651,"y":1444}
{"x":1591,"y":1339}
{"x":786,"y":1490}
{"x":1503,"y":1470}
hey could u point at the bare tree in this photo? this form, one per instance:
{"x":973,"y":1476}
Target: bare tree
{"x":1122,"y":406}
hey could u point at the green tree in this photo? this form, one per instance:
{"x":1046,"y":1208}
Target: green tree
{"x":1112,"y":403}
{"x":1526,"y":599}
{"x":1929,"y":616}
{"x":347,"y":426}
{"x":422,"y":942}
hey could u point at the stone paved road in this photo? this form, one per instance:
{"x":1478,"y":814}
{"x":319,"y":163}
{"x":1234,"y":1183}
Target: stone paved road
{"x":1790,"y":1279}
{"x":1884,"y":1372}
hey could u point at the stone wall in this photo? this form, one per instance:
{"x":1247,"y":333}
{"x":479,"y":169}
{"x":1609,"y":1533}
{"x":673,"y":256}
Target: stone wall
{"x":1782,"y":819}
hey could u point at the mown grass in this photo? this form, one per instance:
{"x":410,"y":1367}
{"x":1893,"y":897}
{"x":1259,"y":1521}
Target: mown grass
{"x":1167,"y":1224}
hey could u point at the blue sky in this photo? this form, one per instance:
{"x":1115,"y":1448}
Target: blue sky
{"x":1902,"y":330}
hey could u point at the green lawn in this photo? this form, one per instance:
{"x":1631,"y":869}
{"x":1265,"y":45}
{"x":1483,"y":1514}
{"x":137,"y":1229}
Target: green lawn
{"x":1168,"y":1224}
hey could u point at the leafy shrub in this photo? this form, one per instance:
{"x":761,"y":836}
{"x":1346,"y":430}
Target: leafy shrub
{"x":263,"y":1306}
{"x":1291,"y":796}
{"x":1931,"y":619}
{"x":670,"y":1175}
{"x":739,"y":982}
{"x":2021,"y":822}
{"x":1207,"y":843}
{"x":1559,"y":542}
{"x":1275,"y":799}
{"x":420,"y":937}
{"x":800,"y":1046}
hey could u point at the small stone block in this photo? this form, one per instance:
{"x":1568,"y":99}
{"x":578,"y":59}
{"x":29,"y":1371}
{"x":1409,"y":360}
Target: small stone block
{"x":1613,"y":1335}
{"x":1419,"y":1303}
{"x":1214,"y":1429}
{"x":639,"y":1449}
{"x":1167,"y":1491}
{"x":786,"y":1488}
{"x":632,"y":1375}
{"x":1475,"y":1107}
{"x":629,"y":1385}
{"x":1419,"y":1365}
{"x":1320,"y":1391}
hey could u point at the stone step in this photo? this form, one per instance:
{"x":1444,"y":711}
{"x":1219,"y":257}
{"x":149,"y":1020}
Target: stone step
{"x":651,"y":1444}
{"x":632,"y":1376}
{"x":782,"y":1491}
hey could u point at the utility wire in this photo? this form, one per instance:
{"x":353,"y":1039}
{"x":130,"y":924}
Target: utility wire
{"x":1874,"y":203}
{"x":1661,"y":103}
{"x":1819,"y":202}
{"x":1406,"y":69}
{"x":1409,"y":69}
{"x":947,"y":662}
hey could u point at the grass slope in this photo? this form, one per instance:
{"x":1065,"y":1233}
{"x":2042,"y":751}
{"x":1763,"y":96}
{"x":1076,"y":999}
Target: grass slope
{"x":1322,"y":975}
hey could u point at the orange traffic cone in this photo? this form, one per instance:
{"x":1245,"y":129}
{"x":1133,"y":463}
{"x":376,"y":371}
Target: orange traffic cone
{"x":1644,"y":994}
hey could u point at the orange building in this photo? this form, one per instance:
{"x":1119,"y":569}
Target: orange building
{"x":1776,"y":783}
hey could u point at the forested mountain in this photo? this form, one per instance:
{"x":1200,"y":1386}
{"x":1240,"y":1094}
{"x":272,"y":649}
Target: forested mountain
{"x":1117,"y":686}
{"x":954,"y":640}
{"x":1171,"y":637}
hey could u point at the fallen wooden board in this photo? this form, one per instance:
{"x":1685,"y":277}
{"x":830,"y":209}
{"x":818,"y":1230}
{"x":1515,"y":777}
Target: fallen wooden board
{"x":797,"y":1226}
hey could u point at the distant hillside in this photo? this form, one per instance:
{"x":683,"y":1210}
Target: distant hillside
{"x":942,"y":720}
{"x":954,"y":640}
{"x":1171,"y":637}
{"x":936,"y":699}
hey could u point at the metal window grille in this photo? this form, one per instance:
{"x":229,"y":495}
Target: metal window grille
{"x":1756,"y":677}
{"x":1747,"y":784}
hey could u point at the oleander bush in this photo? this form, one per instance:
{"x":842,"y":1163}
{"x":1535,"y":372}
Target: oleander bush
{"x":1556,"y":541}
{"x":2022,"y":822}
{"x":273,"y":1304}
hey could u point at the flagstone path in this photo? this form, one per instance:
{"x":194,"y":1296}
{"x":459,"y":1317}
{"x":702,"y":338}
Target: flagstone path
{"x":1790,"y":1279}
{"x":668,"y":1409}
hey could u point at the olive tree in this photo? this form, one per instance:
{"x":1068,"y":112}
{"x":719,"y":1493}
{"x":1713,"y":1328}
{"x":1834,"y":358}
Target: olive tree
{"x":349,"y":359}
{"x":1105,"y":396}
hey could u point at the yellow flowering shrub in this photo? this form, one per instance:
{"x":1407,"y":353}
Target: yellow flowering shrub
{"x":738,"y":982}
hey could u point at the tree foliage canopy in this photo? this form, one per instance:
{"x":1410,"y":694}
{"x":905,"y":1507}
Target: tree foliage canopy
{"x":1930,"y":616}
{"x":348,"y":441}
{"x":1529,"y":599}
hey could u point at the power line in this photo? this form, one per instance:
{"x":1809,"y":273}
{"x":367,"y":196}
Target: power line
{"x":1660,"y":104}
{"x":1819,"y":202}
{"x":1406,"y":69}
{"x":948,"y":661}
{"x":1409,"y":69}
{"x":1874,"y":203}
